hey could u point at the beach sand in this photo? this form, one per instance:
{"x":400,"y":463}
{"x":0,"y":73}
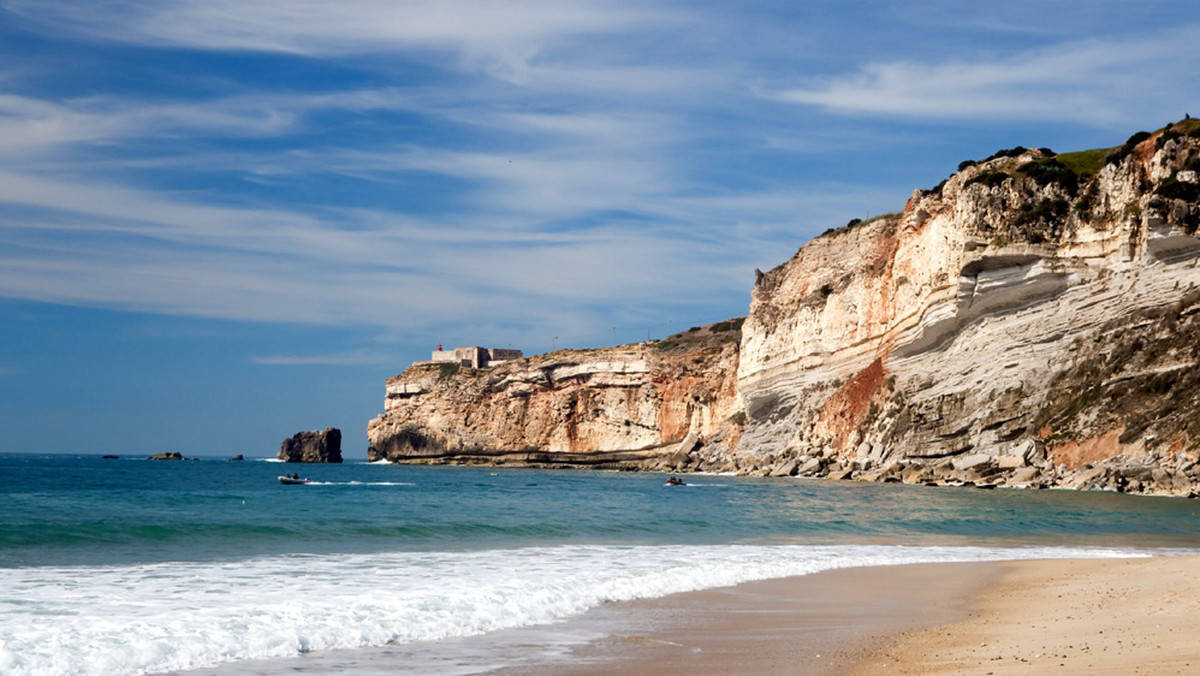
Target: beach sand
{"x":815,"y":625}
{"x":1072,"y":616}
{"x":1099,"y":616}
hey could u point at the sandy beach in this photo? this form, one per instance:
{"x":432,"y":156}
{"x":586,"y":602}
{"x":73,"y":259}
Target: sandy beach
{"x":1074,"y":616}
{"x":1107,"y":616}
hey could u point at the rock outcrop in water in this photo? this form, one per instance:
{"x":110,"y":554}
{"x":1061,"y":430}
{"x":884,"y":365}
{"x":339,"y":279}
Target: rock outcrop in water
{"x":166,"y":455}
{"x":669,"y":404}
{"x":1033,"y":321}
{"x":315,"y":446}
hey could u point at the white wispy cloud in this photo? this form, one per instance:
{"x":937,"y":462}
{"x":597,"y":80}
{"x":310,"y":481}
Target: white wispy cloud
{"x":284,"y":24}
{"x":499,"y":37}
{"x":588,"y":160}
{"x":94,"y":243}
{"x":30,"y":125}
{"x":1091,"y":81}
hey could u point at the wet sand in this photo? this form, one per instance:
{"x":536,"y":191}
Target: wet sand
{"x":816,"y":625}
{"x":1070,"y":616}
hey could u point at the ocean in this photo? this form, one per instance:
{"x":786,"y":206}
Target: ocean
{"x":132,"y":566}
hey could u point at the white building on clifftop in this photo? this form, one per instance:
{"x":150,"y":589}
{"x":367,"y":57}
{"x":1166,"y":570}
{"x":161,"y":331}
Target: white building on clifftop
{"x":474,"y":357}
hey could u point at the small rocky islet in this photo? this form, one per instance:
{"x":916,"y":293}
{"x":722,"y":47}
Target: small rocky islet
{"x":322,"y":446}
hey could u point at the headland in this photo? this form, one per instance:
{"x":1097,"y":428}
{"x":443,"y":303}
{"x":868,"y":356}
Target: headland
{"x":1032,"y":321}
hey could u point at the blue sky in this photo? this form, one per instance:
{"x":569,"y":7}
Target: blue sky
{"x":225,"y":221}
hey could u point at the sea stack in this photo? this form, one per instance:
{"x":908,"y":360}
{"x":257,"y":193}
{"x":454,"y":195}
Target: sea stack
{"x":314,"y":446}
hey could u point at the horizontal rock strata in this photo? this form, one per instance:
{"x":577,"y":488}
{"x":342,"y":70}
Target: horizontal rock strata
{"x":1032,"y":321}
{"x":670,"y":404}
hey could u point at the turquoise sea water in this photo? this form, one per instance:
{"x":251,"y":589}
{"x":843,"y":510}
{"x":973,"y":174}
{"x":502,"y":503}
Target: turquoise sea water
{"x":132,"y":566}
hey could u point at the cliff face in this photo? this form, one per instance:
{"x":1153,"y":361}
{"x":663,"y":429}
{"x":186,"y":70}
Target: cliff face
{"x":671,"y":405}
{"x":1035,"y":319}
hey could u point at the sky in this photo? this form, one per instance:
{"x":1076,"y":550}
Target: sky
{"x":226,"y":221}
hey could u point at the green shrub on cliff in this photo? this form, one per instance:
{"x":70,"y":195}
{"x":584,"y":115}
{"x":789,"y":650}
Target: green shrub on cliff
{"x":730,"y":325}
{"x":1011,"y":152}
{"x":990,"y":179}
{"x":1121,"y":153}
{"x":1173,"y":188}
{"x":850,"y":225}
{"x":1042,"y":222}
{"x":1087,"y":201}
{"x":1169,"y":134}
{"x":856,"y":222}
{"x":1050,"y":170}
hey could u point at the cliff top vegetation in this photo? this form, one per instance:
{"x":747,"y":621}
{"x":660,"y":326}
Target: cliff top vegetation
{"x":857,"y":222}
{"x":1066,"y":168}
{"x":728,"y":331}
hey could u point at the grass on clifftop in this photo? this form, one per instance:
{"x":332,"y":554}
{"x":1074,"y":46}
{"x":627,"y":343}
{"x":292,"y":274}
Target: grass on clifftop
{"x":1085,"y":162}
{"x":727,"y":331}
{"x":1189,"y":126}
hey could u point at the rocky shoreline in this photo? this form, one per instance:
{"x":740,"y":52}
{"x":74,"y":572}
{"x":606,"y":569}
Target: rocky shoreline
{"x":1149,"y":475}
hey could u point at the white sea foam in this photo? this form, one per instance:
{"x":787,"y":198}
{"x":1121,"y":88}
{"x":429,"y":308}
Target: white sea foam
{"x":360,"y":483}
{"x":175,"y":616}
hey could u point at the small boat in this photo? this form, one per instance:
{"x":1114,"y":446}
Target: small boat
{"x":675,"y":482}
{"x":288,"y":480}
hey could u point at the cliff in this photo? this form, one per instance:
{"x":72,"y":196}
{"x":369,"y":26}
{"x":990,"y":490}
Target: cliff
{"x":1034,"y":320}
{"x":670,"y":404}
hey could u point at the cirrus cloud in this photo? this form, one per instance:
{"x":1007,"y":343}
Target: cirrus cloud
{"x":1090,"y":81}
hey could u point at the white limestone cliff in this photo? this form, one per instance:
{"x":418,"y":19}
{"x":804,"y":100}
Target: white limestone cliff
{"x":949,"y":329}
